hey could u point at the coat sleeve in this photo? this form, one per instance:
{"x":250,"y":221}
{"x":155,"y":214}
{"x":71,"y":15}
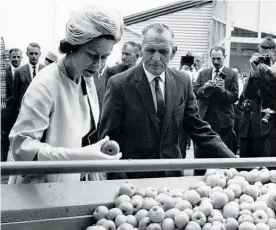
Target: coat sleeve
{"x":199,"y":89}
{"x":201,"y":132}
{"x":32,"y":121}
{"x":17,"y":91}
{"x":112,"y":114}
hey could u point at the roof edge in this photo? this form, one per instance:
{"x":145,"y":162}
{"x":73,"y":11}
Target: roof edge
{"x":163,"y":10}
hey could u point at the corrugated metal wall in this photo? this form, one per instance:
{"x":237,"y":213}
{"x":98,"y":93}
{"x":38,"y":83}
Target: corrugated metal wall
{"x":190,"y":26}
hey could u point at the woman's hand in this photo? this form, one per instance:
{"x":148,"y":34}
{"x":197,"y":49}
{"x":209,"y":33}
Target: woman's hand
{"x":94,"y":151}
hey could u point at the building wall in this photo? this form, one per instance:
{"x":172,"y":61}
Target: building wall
{"x":191,"y":28}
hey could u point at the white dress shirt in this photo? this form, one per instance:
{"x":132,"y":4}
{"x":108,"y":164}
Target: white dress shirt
{"x":32,"y":69}
{"x":214,"y":72}
{"x":150,"y":78}
{"x":13,"y":70}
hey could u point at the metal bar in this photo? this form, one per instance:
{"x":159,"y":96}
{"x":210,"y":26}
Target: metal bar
{"x":49,"y":167}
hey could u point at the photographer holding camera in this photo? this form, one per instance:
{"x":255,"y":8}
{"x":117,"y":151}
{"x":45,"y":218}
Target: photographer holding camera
{"x":265,"y":81}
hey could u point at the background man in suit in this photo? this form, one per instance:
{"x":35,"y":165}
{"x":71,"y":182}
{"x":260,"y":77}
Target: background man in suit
{"x":130,"y":55}
{"x":7,"y":114}
{"x":217,"y":90}
{"x":50,"y":58}
{"x":146,"y":106}
{"x":25,"y":74}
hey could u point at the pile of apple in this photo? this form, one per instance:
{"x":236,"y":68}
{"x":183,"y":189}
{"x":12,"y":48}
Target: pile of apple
{"x":225,"y":200}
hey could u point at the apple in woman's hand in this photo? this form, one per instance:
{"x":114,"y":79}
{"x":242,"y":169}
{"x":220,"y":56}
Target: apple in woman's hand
{"x":111,"y":148}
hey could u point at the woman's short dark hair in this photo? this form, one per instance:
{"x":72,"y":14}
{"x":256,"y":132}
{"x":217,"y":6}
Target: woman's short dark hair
{"x":65,"y":47}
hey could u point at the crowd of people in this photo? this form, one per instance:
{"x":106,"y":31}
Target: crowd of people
{"x":69,"y":109}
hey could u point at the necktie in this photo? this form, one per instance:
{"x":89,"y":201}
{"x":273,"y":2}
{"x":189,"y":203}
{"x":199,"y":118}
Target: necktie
{"x":93,"y":96}
{"x":34,"y":72}
{"x":160,"y":103}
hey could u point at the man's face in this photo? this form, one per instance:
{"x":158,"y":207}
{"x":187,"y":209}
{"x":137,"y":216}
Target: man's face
{"x":157,"y":51}
{"x":217,"y":58}
{"x":129,"y":55}
{"x":269,"y":52}
{"x":197,"y":62}
{"x":33,"y":53}
{"x":16,"y":57}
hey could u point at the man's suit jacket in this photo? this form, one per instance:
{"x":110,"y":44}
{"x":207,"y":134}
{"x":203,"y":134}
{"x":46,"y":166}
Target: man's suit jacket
{"x":7,"y":112}
{"x":115,"y":70}
{"x":223,"y":98}
{"x":101,"y":86}
{"x":22,"y":80}
{"x":129,"y":117}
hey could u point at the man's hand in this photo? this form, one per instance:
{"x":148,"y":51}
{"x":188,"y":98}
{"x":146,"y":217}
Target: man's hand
{"x":209,"y":84}
{"x":263,"y":68}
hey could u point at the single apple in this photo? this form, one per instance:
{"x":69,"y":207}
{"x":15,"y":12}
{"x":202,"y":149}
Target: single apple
{"x":189,"y":212}
{"x":181,"y":219}
{"x":231,"y":224}
{"x":258,"y":184}
{"x":127,"y":189}
{"x":192,"y":225}
{"x":217,"y":225}
{"x":264,"y":175}
{"x":245,"y":212}
{"x":111,"y":148}
{"x":156,"y":214}
{"x":246,"y":198}
{"x":192,"y":196}
{"x":271,"y":202}
{"x":144,"y":223}
{"x":253,"y":176}
{"x":246,"y":205}
{"x":137,"y":204}
{"x":245,"y":218}
{"x":196,"y":208}
{"x":206,"y":208}
{"x":219,"y":199}
{"x":270,"y":212}
{"x":229,"y":175}
{"x":107,"y":224}
{"x":216,"y":180}
{"x":171,"y":213}
{"x":207,"y":226}
{"x":230,"y":193}
{"x":137,"y":197}
{"x":161,"y":196}
{"x":240,"y":177}
{"x":199,"y":217}
{"x":217,"y":189}
{"x":260,"y":216}
{"x":148,"y":203}
{"x":183,"y":204}
{"x":113,"y":213}
{"x":126,"y":208}
{"x":164,"y":190}
{"x":120,"y":219}
{"x":197,"y":185}
{"x":176,"y":193}
{"x":251,"y":190}
{"x":100,"y":212}
{"x":243,"y":173}
{"x":168,"y":224}
{"x":141,"y":192}
{"x":125,"y":226}
{"x":95,"y":228}
{"x":247,"y":226}
{"x":271,"y":223}
{"x":242,"y":183}
{"x":216,"y":215}
{"x":151,"y":192}
{"x":272,"y":176}
{"x":259,"y":205}
{"x":236,"y":189}
{"x":120,"y":199}
{"x":234,"y":171}
{"x":230,"y":211}
{"x":141,"y":214}
{"x":203,"y":191}
{"x":262,"y":226}
{"x":154,"y":226}
{"x":167,"y":203}
{"x":176,"y":200}
{"x":132,"y":220}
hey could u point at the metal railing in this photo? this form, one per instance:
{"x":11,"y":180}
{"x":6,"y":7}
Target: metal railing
{"x":50,"y":167}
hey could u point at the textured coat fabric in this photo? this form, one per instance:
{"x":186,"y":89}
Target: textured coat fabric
{"x":223,"y":100}
{"x":51,"y":114}
{"x":115,"y":70}
{"x":22,"y":80}
{"x":129,"y":117}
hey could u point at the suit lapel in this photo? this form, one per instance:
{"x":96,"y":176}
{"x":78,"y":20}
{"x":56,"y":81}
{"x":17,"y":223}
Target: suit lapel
{"x":28,"y":73}
{"x":210,"y":74}
{"x":9,"y":76}
{"x":170,"y":89}
{"x":144,"y":91}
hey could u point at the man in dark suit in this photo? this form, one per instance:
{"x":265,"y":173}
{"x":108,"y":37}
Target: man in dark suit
{"x":25,"y":74}
{"x":130,"y":55}
{"x":7,"y":114}
{"x":147,"y":106}
{"x":217,"y":90}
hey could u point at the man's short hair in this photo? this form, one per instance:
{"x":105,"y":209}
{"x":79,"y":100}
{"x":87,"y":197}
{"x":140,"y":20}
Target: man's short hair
{"x":157,"y":27}
{"x":238,"y":68}
{"x":33,"y":44}
{"x":133,"y":44}
{"x":268,"y":43}
{"x":15,"y":50}
{"x":217,"y":48}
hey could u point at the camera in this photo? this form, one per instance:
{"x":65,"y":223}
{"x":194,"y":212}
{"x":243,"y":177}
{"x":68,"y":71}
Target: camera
{"x":265,"y":59}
